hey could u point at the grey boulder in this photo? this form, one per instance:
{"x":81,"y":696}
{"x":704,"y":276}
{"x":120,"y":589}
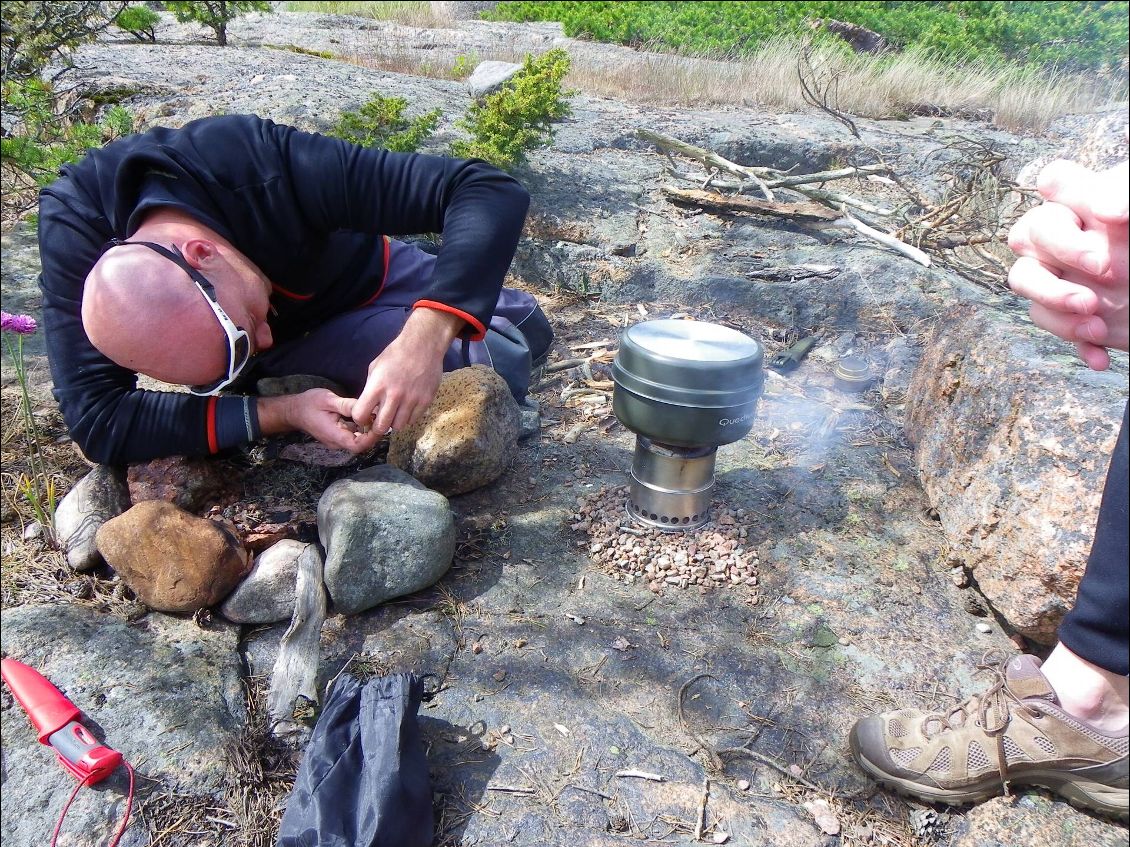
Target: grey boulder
{"x":385,"y":535}
{"x":490,"y":76}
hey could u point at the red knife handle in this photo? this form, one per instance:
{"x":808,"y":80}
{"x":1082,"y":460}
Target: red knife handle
{"x":82,"y":754}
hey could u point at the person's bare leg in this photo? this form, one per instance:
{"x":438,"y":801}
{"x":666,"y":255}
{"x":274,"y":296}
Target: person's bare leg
{"x":1094,"y":694}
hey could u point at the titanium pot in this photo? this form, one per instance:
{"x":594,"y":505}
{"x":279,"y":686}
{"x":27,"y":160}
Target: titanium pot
{"x":687,"y":383}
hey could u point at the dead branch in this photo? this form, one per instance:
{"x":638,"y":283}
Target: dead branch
{"x":793,"y":273}
{"x":718,"y":203}
{"x":708,"y":158}
{"x":824,"y":176}
{"x":818,"y":97}
{"x":836,"y":199}
{"x":913,"y":253}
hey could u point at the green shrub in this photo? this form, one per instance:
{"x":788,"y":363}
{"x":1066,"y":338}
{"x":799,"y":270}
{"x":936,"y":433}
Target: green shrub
{"x":1036,"y":33}
{"x":519,"y":116}
{"x":381,"y":123}
{"x":214,"y":14}
{"x":42,"y":141}
{"x":139,"y":21}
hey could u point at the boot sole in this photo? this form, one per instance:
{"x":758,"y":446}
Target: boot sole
{"x":1079,"y":792}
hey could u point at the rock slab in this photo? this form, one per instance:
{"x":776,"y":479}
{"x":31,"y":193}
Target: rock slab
{"x":164,"y":692}
{"x":173,"y":561}
{"x":99,"y":496}
{"x":467,"y":436}
{"x":385,"y":535}
{"x":1012,"y":437}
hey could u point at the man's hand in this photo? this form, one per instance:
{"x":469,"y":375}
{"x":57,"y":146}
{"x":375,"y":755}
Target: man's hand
{"x":404,"y":378}
{"x":1073,"y":259}
{"x":319,"y":413}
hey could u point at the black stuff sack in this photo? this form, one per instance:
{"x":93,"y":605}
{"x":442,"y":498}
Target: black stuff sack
{"x":363,"y":780}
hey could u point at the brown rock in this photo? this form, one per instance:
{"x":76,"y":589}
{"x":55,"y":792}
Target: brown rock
{"x":173,"y":561}
{"x":1013,"y":436}
{"x":190,"y":483}
{"x":467,"y":436}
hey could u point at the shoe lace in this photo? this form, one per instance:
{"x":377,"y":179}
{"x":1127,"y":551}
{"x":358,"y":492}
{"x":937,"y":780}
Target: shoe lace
{"x":992,"y":710}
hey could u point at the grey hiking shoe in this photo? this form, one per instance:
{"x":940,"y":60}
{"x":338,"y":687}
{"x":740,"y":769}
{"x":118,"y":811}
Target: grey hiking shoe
{"x":1015,"y":733}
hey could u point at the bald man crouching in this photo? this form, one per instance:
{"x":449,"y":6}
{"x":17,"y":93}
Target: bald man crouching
{"x":234,"y":248}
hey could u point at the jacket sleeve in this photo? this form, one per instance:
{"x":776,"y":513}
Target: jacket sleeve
{"x":111,"y":420}
{"x":478,"y":208}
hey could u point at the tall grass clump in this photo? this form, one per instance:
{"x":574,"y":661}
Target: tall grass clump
{"x":901,"y":85}
{"x":406,"y":12}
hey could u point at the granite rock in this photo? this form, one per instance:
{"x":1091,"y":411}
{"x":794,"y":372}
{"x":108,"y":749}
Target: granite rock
{"x":1012,"y":436}
{"x":173,"y":561}
{"x":385,"y":535}
{"x":466,"y":438}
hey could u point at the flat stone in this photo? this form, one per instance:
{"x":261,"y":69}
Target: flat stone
{"x":164,"y":692}
{"x":278,"y":386}
{"x":190,"y":483}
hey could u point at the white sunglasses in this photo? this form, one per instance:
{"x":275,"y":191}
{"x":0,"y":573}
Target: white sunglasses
{"x":239,"y":342}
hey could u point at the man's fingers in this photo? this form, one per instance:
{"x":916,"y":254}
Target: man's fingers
{"x":1069,"y":327}
{"x":1096,"y":358}
{"x":1092,"y":196}
{"x":1054,"y":234}
{"x":1031,"y":279}
{"x":1112,"y":206}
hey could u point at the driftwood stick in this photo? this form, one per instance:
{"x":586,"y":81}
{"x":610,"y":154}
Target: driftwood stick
{"x":824,"y":176}
{"x":835,"y":199}
{"x":913,"y":253}
{"x":715,"y":203}
{"x":296,"y":668}
{"x":708,"y":158}
{"x":765,"y":189}
{"x":700,"y":824}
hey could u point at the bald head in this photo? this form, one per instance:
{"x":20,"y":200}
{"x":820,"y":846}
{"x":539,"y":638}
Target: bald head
{"x":144,"y":313}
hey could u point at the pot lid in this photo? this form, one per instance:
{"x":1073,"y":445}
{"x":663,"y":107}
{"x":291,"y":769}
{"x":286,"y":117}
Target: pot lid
{"x":691,"y":362}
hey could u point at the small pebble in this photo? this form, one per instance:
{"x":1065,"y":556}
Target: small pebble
{"x":984,"y":627}
{"x":721,"y":837}
{"x":743,"y":785}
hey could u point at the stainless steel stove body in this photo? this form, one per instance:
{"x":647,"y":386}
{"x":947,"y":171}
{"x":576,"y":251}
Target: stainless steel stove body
{"x":685,"y":388}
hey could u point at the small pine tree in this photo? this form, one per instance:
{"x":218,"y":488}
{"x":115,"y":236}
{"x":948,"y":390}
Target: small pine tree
{"x":381,"y":123}
{"x":214,"y":14}
{"x":139,"y":21}
{"x":519,"y":116}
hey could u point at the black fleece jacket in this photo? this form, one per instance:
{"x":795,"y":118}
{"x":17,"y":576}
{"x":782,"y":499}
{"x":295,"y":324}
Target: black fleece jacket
{"x":308,"y":210}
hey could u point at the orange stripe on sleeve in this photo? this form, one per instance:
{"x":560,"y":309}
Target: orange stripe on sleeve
{"x":480,"y":330}
{"x":213,"y":444}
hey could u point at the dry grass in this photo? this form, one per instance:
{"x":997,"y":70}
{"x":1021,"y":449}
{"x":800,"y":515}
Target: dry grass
{"x":862,"y":85}
{"x":406,"y":12}
{"x":857,"y":84}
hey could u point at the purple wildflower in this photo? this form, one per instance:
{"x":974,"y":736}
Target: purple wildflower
{"x":19,"y":324}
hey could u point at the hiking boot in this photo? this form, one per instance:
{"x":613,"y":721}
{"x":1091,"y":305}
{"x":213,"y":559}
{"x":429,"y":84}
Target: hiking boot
{"x":1015,"y":733}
